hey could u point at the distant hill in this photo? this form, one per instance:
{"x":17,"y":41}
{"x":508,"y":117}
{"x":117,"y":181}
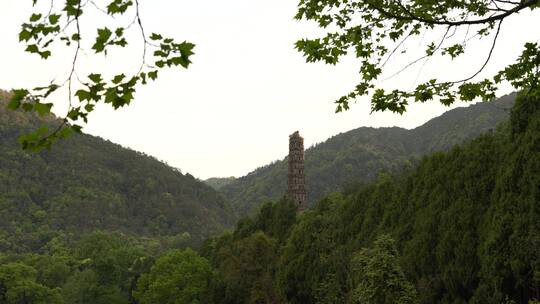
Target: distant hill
{"x":86,"y":183}
{"x":357,"y":156}
{"x":219,"y":182}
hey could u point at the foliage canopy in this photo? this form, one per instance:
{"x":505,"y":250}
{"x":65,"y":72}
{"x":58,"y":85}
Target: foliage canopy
{"x":376,"y":30}
{"x":52,"y":24}
{"x":180,"y":276}
{"x":465,"y":224}
{"x":90,"y":183}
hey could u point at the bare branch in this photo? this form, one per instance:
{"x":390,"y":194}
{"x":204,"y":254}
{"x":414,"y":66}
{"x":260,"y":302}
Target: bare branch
{"x":423,"y":57}
{"x":99,"y":8}
{"x":70,"y":78}
{"x":143,"y":34}
{"x":487,"y":59}
{"x":396,"y":48}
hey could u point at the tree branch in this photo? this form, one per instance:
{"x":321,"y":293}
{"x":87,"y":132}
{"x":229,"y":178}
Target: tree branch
{"x":423,"y":57}
{"x":411,"y":17}
{"x":143,"y":34}
{"x":487,"y":59}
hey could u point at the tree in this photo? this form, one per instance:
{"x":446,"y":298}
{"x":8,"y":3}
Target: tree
{"x":248,"y":267}
{"x":84,"y":287}
{"x":377,"y":277}
{"x":52,"y":25}
{"x":313,"y":263}
{"x":18,"y":285}
{"x":105,"y":277}
{"x":180,"y":276}
{"x":376,"y":30}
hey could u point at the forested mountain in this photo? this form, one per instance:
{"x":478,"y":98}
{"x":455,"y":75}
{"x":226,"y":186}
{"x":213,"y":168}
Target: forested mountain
{"x":219,"y":182}
{"x":359,"y":155}
{"x":463,"y":226}
{"x":85,"y":183}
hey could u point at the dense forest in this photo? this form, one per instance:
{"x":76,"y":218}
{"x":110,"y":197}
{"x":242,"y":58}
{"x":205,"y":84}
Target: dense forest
{"x":461,"y":226}
{"x":357,"y":156}
{"x":86,"y":183}
{"x":219,"y":182}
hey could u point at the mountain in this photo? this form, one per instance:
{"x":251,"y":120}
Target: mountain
{"x":357,"y":156}
{"x":86,"y":183}
{"x":461,"y":226}
{"x":219,"y":182}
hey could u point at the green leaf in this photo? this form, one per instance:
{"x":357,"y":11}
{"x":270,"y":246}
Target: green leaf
{"x":76,"y":128}
{"x":118,"y":78}
{"x":25,"y":35}
{"x":17,"y":98}
{"x":53,"y":19}
{"x":118,"y":7}
{"x":180,"y":61}
{"x":45,"y":54}
{"x":72,"y":8}
{"x":159,"y":53}
{"x":119,"y":31}
{"x":186,"y":48}
{"x":51,"y":89}
{"x":83,"y":95}
{"x":35,"y":17}
{"x":102,"y":39}
{"x":74,"y":114}
{"x":96,"y":78}
{"x":143,"y":77}
{"x":43,"y":108}
{"x":431,"y":49}
{"x":89,"y":107}
{"x":32,"y":48}
{"x":155,"y":36}
{"x":122,"y":42}
{"x":153,"y":75}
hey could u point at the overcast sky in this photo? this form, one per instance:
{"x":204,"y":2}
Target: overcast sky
{"x":247,"y":90}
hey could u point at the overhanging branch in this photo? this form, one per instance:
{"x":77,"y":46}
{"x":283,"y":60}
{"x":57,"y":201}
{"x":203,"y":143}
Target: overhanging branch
{"x":410,"y":16}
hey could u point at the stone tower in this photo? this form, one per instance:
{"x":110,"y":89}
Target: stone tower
{"x":296,"y":179}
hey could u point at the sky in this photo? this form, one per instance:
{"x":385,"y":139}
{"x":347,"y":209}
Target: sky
{"x":247,"y":89}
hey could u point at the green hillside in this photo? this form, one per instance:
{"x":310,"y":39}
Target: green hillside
{"x":463,"y":226}
{"x":86,"y":183}
{"x":460,"y":226}
{"x":219,"y":182}
{"x":357,"y":156}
